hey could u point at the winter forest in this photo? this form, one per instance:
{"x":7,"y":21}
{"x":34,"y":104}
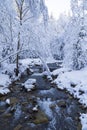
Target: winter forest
{"x":43,"y":66}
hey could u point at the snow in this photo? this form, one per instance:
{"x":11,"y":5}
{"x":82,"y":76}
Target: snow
{"x":84,"y":121}
{"x":29,"y":61}
{"x":4,"y":91}
{"x":4,"y":83}
{"x":29,"y":87}
{"x":61,"y":70}
{"x":51,"y":60}
{"x":8,"y":101}
{"x":74,"y":82}
{"x":29,"y":84}
{"x":8,"y":67}
{"x":35,"y":109}
{"x":4,"y":80}
{"x":30,"y":81}
{"x":36,"y":61}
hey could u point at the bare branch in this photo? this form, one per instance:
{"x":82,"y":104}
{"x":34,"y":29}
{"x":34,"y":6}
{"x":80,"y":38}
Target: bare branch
{"x":17,"y":52}
{"x":25,"y":12}
{"x":28,"y":18}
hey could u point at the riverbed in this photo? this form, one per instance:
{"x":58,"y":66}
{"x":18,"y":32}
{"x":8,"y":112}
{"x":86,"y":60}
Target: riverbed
{"x":56,"y":109}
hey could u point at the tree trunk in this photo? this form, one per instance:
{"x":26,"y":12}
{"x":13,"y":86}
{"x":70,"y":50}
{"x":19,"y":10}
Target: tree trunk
{"x":17,"y":58}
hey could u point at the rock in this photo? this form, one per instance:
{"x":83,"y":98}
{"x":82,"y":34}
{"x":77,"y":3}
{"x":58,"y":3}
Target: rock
{"x":79,"y":127}
{"x":7,"y":101}
{"x":7,"y":115}
{"x":30,"y":81}
{"x":18,"y":127}
{"x":13,"y":109}
{"x":49,"y":77}
{"x":73,"y":85}
{"x":24,"y":103}
{"x":70,"y":97}
{"x":2,"y":97}
{"x":62,"y":104}
{"x":2,"y":111}
{"x":13,"y":100}
{"x":54,"y":76}
{"x":29,"y":71}
{"x":52,"y":106}
{"x":40,"y":117}
{"x":35,"y":109}
{"x":29,"y":85}
{"x":81,"y":92}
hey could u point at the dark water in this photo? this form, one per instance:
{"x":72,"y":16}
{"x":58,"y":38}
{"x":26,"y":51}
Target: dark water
{"x":58,"y":107}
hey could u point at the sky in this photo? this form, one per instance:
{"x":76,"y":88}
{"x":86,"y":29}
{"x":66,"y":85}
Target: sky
{"x":56,"y":7}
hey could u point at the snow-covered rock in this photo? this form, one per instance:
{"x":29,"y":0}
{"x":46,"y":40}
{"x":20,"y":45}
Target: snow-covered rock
{"x":35,"y":109}
{"x":7,"y":101}
{"x":4,"y":90}
{"x":30,"y":81}
{"x":29,"y":87}
{"x":29,"y":84}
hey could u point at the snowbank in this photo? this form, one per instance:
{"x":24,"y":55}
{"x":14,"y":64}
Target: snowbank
{"x":74,"y":82}
{"x":29,"y":61}
{"x":51,"y":60}
{"x":83,"y":119}
{"x":4,"y":83}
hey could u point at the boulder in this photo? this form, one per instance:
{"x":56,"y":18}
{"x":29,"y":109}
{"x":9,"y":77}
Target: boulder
{"x":40,"y":117}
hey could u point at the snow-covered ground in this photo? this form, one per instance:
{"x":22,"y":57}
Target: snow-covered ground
{"x":4,"y":83}
{"x":31,"y":61}
{"x":74,"y":82}
{"x":36,"y":61}
{"x":7,"y":74}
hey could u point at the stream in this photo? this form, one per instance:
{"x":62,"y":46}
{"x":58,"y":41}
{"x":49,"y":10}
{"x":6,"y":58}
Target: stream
{"x":57,"y":110}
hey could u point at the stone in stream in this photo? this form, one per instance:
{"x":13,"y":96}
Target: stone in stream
{"x":40,"y":117}
{"x":29,"y":85}
{"x":62,"y":103}
{"x":7,"y":115}
{"x":29,"y":71}
{"x":79,"y":127}
{"x":8,"y":101}
{"x":18,"y":127}
{"x":52,"y":106}
{"x":13,"y":100}
{"x":35,"y":109}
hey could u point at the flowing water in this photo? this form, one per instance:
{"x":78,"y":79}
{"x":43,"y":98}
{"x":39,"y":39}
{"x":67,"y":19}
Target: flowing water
{"x":57,"y":110}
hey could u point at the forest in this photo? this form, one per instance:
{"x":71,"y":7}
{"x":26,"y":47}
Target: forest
{"x":43,"y":66}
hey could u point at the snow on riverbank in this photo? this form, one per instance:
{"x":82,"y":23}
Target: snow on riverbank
{"x":83,"y":119}
{"x":36,"y":61}
{"x":31,"y":61}
{"x":74,"y":82}
{"x":4,"y":83}
{"x":7,"y":72}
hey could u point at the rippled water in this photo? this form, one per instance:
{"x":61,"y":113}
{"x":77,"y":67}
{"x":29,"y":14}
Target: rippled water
{"x":60,"y":108}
